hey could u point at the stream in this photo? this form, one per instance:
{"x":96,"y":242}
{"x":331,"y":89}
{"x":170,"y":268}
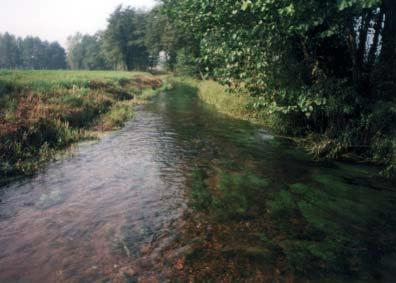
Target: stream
{"x":183,"y":193}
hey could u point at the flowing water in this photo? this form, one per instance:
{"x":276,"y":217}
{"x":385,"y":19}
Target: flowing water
{"x":184,"y":193}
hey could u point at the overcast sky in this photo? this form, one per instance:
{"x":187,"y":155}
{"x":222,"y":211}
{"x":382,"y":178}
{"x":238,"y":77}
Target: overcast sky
{"x":56,"y":19}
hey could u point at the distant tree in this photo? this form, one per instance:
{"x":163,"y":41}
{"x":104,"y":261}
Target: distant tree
{"x":123,"y":40}
{"x":94,"y":55}
{"x":56,"y":56}
{"x":30,"y":53}
{"x":86,"y":52}
{"x":9,"y":51}
{"x":75,"y":52}
{"x":161,"y":36}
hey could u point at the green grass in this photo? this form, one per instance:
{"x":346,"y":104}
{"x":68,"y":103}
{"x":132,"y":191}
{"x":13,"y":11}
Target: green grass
{"x":45,"y":111}
{"x":43,"y":79}
{"x":117,"y":115}
{"x":238,"y":105}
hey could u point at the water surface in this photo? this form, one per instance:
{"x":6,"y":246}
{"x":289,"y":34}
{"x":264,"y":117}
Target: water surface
{"x":184,"y":193}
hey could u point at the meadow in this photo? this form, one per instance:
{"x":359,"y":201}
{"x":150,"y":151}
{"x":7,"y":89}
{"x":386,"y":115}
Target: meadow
{"x":42,"y":112}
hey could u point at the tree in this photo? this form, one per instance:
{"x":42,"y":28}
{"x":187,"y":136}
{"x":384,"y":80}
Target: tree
{"x":9,"y":51}
{"x":94,"y":55}
{"x":161,"y":37}
{"x":75,"y":51}
{"x":86,"y":52}
{"x":388,"y":50}
{"x":30,"y":53}
{"x":56,"y":56}
{"x":291,"y":42}
{"x":123,"y":39}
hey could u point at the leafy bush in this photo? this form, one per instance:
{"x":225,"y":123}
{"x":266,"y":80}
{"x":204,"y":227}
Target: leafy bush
{"x":186,"y":63}
{"x":23,"y":151}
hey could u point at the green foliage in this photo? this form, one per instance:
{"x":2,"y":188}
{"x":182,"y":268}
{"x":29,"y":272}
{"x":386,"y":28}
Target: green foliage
{"x":161,"y":37}
{"x":270,"y":43}
{"x":317,"y":67}
{"x":85,"y":52}
{"x":185,"y":63}
{"x":30,"y":53}
{"x":23,"y":152}
{"x":123,"y":40}
{"x":133,"y":40}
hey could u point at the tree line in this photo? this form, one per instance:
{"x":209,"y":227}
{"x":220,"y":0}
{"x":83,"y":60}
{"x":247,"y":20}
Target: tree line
{"x":136,"y":40}
{"x":30,"y":53}
{"x":132,"y":40}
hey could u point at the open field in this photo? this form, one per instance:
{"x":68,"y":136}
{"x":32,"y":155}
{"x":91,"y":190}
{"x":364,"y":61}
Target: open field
{"x":44,"y":111}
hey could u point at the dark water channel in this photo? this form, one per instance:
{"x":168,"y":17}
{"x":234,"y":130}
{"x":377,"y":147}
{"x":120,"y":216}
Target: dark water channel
{"x":184,"y":193}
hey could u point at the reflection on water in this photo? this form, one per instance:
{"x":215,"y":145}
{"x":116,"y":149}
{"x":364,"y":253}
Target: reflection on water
{"x":96,"y":214}
{"x":185,"y":193}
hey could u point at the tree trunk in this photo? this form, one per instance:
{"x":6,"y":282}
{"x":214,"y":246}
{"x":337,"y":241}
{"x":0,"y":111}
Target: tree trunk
{"x":351,"y":43}
{"x":363,"y":32}
{"x":388,"y":52}
{"x":374,"y":46}
{"x":308,"y":75}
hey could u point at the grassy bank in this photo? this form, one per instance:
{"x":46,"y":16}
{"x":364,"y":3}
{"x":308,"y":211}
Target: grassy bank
{"x":239,"y":105}
{"x":45,"y":111}
{"x":377,"y":146}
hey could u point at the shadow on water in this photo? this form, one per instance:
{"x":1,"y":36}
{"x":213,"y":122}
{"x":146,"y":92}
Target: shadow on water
{"x":262,"y":210}
{"x":185,"y":193}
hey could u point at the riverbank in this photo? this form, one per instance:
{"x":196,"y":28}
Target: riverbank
{"x":42,"y":112}
{"x":261,"y":207}
{"x":381,"y":151}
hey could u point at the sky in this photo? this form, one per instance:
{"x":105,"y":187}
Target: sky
{"x":55,"y":20}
